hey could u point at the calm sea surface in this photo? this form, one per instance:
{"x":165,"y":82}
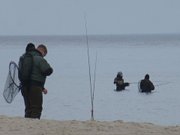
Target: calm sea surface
{"x":68,"y":95}
{"x":103,"y":40}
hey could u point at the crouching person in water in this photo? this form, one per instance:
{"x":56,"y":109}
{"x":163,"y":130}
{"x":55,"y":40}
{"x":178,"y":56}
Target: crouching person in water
{"x":119,"y":81}
{"x":146,"y":85}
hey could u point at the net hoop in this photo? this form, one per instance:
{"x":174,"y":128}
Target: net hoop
{"x":11,"y":88}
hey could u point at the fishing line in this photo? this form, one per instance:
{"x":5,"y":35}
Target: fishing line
{"x":160,"y":84}
{"x":133,"y":82}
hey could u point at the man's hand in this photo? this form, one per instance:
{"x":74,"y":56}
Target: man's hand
{"x":45,"y":91}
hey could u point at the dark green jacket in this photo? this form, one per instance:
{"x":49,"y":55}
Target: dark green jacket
{"x":40,"y":69}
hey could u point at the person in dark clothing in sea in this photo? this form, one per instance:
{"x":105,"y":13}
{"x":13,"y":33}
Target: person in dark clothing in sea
{"x":119,"y":81}
{"x":146,"y":85}
{"x":33,"y":89}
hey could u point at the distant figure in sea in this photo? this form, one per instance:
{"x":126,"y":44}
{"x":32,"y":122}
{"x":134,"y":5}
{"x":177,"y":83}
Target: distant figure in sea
{"x":119,"y":81}
{"x":146,"y":85}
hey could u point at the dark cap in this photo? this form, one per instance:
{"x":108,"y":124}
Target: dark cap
{"x":29,"y":47}
{"x":147,"y":76}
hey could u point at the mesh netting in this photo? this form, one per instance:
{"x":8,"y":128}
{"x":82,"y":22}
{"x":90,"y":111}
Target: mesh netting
{"x":11,"y":88}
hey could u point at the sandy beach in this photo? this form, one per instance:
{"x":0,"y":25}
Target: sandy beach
{"x":22,"y":126}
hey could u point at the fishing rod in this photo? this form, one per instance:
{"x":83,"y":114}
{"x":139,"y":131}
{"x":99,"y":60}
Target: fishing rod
{"x":133,"y":82}
{"x":163,"y":83}
{"x":160,"y":83}
{"x":94,"y":82}
{"x":92,"y":87}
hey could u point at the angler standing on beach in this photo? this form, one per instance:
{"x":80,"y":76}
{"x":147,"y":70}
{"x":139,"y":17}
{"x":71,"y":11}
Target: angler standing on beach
{"x":33,"y":80}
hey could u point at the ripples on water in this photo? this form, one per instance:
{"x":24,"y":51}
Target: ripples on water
{"x":134,"y":55}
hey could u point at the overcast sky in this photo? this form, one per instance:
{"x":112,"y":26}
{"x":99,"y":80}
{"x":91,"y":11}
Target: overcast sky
{"x":66,"y":17}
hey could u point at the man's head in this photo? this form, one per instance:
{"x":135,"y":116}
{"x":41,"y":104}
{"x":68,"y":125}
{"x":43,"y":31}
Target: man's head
{"x":29,"y":47}
{"x":147,"y":76}
{"x":42,"y":48}
{"x":120,"y":74}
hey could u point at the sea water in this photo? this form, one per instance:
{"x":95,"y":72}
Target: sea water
{"x":68,"y":87}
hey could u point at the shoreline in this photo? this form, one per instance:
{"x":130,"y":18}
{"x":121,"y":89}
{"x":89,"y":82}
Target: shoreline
{"x":24,"y":126}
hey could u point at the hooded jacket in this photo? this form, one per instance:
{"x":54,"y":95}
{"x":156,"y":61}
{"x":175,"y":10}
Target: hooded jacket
{"x":40,"y":69}
{"x":146,"y":85}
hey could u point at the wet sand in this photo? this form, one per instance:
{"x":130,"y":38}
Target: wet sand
{"x":22,"y":126}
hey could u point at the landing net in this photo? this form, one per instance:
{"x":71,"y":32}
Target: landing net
{"x":11,"y":88}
